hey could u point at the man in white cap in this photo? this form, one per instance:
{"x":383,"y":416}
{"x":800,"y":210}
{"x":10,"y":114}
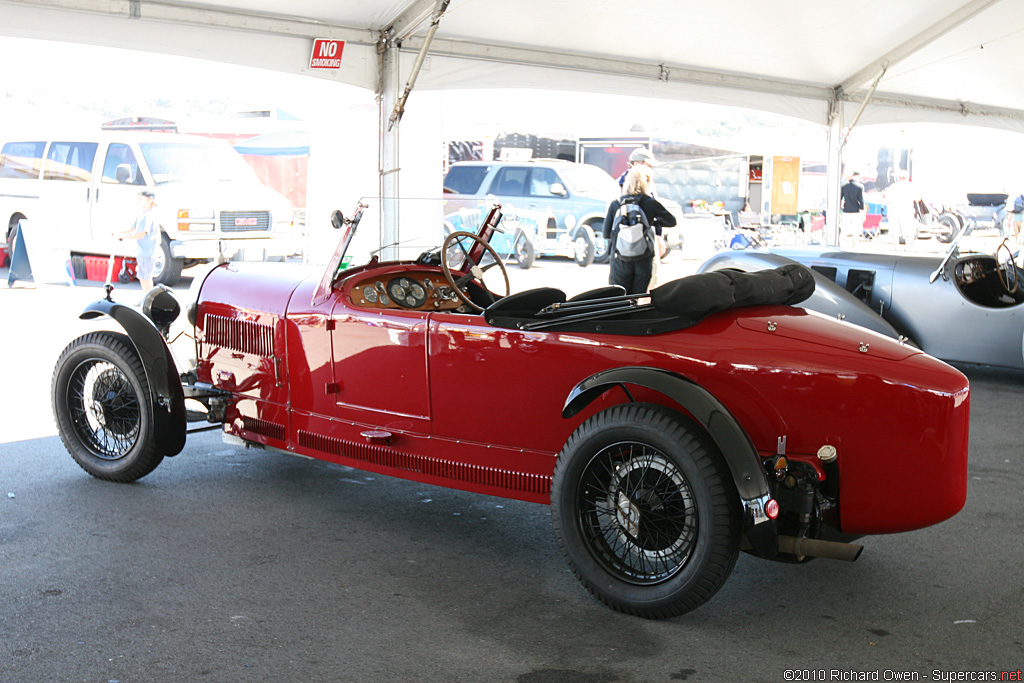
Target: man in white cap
{"x":640,"y":155}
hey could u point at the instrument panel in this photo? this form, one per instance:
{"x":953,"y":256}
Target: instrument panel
{"x":969,"y":271}
{"x":410,"y":291}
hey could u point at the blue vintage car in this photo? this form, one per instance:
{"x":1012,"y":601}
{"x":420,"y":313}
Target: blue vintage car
{"x":515,"y":241}
{"x":959,"y":306}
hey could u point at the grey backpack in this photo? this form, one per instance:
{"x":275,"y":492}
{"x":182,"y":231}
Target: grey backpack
{"x":634,"y":236}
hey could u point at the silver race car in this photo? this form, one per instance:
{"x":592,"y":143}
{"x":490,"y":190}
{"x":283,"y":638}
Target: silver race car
{"x":966,"y":307}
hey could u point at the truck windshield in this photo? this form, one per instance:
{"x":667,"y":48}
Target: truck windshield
{"x":591,"y":181}
{"x":174,"y":161}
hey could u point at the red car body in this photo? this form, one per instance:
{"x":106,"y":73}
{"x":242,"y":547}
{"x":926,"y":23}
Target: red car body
{"x":470,"y":406}
{"x":765,"y":427}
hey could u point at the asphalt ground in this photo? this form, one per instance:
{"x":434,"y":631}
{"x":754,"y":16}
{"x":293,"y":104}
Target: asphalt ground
{"x":233,"y":565}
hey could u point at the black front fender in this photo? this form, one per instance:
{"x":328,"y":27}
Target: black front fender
{"x":165,"y":390}
{"x":732,"y":441}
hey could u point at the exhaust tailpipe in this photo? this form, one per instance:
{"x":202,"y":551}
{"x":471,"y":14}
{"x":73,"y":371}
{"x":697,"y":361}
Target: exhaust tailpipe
{"x":813,"y":547}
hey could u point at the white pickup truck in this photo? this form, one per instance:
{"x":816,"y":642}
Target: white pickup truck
{"x":83,"y":189}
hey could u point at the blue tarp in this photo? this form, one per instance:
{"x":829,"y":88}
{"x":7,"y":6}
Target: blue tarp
{"x":284,"y":143}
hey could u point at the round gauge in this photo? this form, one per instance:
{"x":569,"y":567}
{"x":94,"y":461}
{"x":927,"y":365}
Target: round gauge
{"x":384,"y":301}
{"x":370,"y":294}
{"x":407,"y":292}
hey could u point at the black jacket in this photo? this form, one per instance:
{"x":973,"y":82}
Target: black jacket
{"x":852,"y":197}
{"x":657,"y":215}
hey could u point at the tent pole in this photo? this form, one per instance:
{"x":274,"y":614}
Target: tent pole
{"x":834,"y":170}
{"x":388,"y":62}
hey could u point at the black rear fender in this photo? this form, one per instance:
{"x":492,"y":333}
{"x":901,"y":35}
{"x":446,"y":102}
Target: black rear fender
{"x":730,"y":438}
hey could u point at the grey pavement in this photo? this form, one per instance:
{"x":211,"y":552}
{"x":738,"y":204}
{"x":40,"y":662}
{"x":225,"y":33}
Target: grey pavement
{"x":238,"y":565}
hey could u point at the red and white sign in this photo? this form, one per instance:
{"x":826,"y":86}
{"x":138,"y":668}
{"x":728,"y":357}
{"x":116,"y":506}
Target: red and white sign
{"x":326,"y":54}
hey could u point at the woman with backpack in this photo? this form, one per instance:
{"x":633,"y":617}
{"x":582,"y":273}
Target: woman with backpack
{"x":632,"y":226}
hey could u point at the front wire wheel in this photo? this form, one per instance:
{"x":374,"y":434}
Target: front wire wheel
{"x":645,"y":511}
{"x":103,"y":409}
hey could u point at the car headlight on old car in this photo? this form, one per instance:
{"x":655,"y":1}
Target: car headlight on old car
{"x":160,"y":306}
{"x":193,"y":220}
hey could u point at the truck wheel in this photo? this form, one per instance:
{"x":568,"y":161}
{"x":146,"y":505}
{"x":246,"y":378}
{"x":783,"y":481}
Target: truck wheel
{"x":103,"y":409}
{"x":601,"y":251}
{"x":645,"y":511}
{"x":583,"y":246}
{"x":166,"y":268}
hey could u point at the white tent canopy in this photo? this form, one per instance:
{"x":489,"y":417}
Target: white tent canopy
{"x":914,"y":60}
{"x":943,"y":60}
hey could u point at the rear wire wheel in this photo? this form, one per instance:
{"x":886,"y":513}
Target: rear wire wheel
{"x":103,"y":409}
{"x":645,"y":511}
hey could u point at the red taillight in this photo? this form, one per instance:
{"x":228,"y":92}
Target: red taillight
{"x":771,"y":508}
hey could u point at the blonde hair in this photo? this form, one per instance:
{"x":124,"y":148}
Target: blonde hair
{"x":638,"y":181}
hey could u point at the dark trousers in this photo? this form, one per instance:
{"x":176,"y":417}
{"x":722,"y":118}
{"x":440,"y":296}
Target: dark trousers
{"x":633,"y":275}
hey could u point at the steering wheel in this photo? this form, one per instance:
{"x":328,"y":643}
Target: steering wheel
{"x":1006,"y":271}
{"x":476,"y":272}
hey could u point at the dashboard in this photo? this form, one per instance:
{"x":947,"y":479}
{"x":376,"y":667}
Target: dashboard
{"x":971,"y":270}
{"x":409,"y":291}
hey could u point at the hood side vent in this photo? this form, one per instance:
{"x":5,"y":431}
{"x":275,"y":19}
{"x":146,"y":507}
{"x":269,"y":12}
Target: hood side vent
{"x":240,"y":335}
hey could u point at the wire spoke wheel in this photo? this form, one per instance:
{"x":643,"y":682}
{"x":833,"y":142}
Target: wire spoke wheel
{"x":637,"y":513}
{"x":103,"y":409}
{"x":645,"y":510}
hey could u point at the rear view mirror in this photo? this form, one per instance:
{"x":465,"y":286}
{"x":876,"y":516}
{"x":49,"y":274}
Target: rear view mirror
{"x":558,"y":188}
{"x":337,"y":219}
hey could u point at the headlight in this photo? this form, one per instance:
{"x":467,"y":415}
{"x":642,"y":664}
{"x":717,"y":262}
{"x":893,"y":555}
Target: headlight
{"x":187,"y":220}
{"x":196,"y":214}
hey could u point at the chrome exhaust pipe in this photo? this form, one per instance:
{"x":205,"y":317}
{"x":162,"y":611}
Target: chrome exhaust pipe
{"x":813,"y":547}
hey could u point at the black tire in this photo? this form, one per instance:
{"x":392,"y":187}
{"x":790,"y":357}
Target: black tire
{"x":645,"y":511}
{"x":103,"y":409}
{"x":524,"y":252}
{"x":601,"y":251}
{"x":951,"y":225}
{"x":584,"y":248}
{"x":166,"y":268}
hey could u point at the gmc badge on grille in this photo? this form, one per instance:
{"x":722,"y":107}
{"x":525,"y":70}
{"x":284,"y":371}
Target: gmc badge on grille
{"x":245,"y":221}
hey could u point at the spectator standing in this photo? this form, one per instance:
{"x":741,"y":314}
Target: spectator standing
{"x":851,"y":222}
{"x":641,"y":156}
{"x":147,"y":232}
{"x":635,"y":272}
{"x":899,"y":201}
{"x":1016,"y":208}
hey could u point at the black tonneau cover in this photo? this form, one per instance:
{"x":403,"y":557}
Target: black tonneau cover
{"x":675,"y":305}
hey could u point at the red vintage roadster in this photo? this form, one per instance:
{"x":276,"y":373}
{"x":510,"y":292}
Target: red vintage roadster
{"x":667,"y":431}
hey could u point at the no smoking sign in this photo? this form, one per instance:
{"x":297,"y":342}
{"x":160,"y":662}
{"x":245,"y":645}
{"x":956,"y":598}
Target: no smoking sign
{"x":326,"y":54}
